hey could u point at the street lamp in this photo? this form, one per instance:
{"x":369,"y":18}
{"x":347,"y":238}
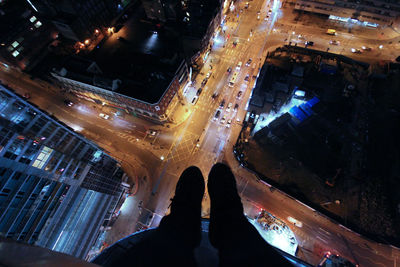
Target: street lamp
{"x":162,"y":157}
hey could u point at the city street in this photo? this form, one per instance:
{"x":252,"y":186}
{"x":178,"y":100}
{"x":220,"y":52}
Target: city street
{"x":156,"y":161}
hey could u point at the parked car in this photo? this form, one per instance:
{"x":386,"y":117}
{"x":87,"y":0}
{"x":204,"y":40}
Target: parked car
{"x":199,"y":91}
{"x":355,"y":50}
{"x":228,"y":123}
{"x":247,"y":78}
{"x":205,"y":80}
{"x":309,"y":43}
{"x":209,"y":74}
{"x":229,"y":70}
{"x":365,"y":48}
{"x":239,"y":94}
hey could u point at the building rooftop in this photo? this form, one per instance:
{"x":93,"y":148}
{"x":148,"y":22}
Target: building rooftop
{"x":142,"y":59}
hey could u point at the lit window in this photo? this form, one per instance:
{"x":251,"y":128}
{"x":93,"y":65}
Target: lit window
{"x":38,"y":24}
{"x":43,"y":157}
{"x":15,"y":44}
{"x":15,"y":53}
{"x":32,"y":19}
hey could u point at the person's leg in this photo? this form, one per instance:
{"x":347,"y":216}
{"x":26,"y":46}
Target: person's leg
{"x":184,"y":222}
{"x":238,"y":242}
{"x":173,"y":242}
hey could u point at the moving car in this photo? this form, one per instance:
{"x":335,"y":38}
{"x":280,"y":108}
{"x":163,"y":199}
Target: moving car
{"x":223,"y":120}
{"x":205,"y":80}
{"x":247,"y":78}
{"x":229,"y":70}
{"x":69,"y":103}
{"x":331,"y":32}
{"x":214,"y":95}
{"x":209,"y":74}
{"x":228,"y":109}
{"x":365,"y":48}
{"x":228,"y":123}
{"x":355,"y":50}
{"x":239,"y":65}
{"x":239,"y":94}
{"x":221,"y":105}
{"x":309,"y":43}
{"x":248,"y":62}
{"x":194,"y":100}
{"x":334,"y":42}
{"x":104,"y":116}
{"x":151,"y":132}
{"x":216,"y":116}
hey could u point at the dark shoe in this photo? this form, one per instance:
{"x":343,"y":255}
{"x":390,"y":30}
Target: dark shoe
{"x":183,"y":224}
{"x":189,"y":192}
{"x":225,"y":200}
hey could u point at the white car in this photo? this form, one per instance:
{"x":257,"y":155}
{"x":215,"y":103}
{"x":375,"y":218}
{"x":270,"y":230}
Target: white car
{"x":228,"y":109}
{"x":295,"y":222}
{"x":104,"y":116}
{"x":209,"y":74}
{"x":151,"y":132}
{"x":223,"y":120}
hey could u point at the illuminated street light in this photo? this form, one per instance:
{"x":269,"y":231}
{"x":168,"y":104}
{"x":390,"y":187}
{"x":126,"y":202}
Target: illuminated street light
{"x":96,"y":31}
{"x":87,"y":42}
{"x":381,"y":46}
{"x":162,"y":157}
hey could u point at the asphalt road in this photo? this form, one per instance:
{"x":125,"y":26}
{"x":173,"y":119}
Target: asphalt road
{"x":127,"y":138}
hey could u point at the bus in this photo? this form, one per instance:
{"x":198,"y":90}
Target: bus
{"x":233,"y":79}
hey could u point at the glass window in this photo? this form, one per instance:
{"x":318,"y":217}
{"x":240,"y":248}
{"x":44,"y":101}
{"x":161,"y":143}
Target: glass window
{"x":63,"y":144}
{"x":53,"y":161}
{"x":5,"y":136}
{"x":42,"y":157}
{"x":16,"y":148}
{"x":30,"y":153}
{"x":49,"y":130}
{"x":13,"y":112}
{"x":37,"y":126}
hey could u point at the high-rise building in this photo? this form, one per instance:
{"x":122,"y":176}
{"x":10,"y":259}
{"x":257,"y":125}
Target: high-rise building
{"x":56,"y":187}
{"x":78,"y":19}
{"x":24,"y":37}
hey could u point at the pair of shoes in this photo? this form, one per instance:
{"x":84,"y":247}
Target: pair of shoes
{"x":225,"y":200}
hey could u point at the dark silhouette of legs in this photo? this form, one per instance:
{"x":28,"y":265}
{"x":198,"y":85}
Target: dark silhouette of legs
{"x":173,"y":242}
{"x":238,"y":242}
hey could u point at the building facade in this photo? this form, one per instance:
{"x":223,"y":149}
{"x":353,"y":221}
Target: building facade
{"x":78,"y":19}
{"x":93,"y":90}
{"x":370,"y":12}
{"x":56,"y":188}
{"x":24,"y":37}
